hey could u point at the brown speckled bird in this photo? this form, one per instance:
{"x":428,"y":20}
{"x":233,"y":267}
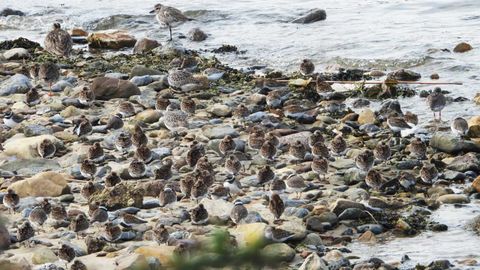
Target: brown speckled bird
{"x":79,"y":223}
{"x":265,"y":175}
{"x":256,"y":139}
{"x":88,"y":169}
{"x":437,"y":101}
{"x":428,"y":173}
{"x":37,"y":216}
{"x":123,"y":142}
{"x":233,"y":165}
{"x":374,"y":179}
{"x":365,"y":160}
{"x":66,"y":253}
{"x":138,"y":137}
{"x":320,"y":166}
{"x":199,"y":215}
{"x":315,"y":137}
{"x":238,"y":212}
{"x":296,"y":184}
{"x":226,"y":145}
{"x":143,"y":153}
{"x":164,"y":172}
{"x":11,"y":200}
{"x":278,"y":185}
{"x":95,"y":153}
{"x":338,"y":145}
{"x":25,"y":231}
{"x":86,"y":96}
{"x":268,"y":151}
{"x":276,"y":206}
{"x":115,"y":122}
{"x":382,"y":152}
{"x":307,"y":67}
{"x":32,"y":97}
{"x":167,"y":197}
{"x":297,"y":151}
{"x":137,"y":169}
{"x":187,"y":105}
{"x":58,"y":41}
{"x":112,"y":179}
{"x":78,"y":265}
{"x":195,"y":152}
{"x":320,"y":150}
{"x":417,"y":148}
{"x":160,"y":234}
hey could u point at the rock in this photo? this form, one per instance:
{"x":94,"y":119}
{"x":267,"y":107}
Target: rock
{"x":108,"y":88}
{"x":448,"y":143}
{"x":36,"y":130}
{"x":43,"y":255}
{"x":162,"y":253}
{"x":249,"y":234}
{"x":196,"y":34}
{"x":374,"y":228}
{"x":78,"y":32}
{"x":366,"y":116}
{"x":61,"y":85}
{"x":220,"y":110}
{"x":218,"y":132}
{"x":467,"y":162}
{"x":4,"y":238}
{"x":6,"y":264}
{"x":476,"y":184}
{"x":462,"y":47}
{"x":148,"y":116}
{"x":333,"y":256}
{"x":435,"y":76}
{"x":142,"y":71}
{"x":111,"y":39}
{"x":132,"y":262}
{"x":280,"y":251}
{"x":474,"y":131}
{"x":142,"y":80}
{"x":405,"y":75}
{"x":26,"y":148}
{"x":315,"y":224}
{"x":313,"y":239}
{"x":16,"y":54}
{"x":17,"y":84}
{"x":53,"y":184}
{"x":296,"y":212}
{"x":29,"y":167}
{"x":453,"y":199}
{"x":313,"y":15}
{"x":117,"y":75}
{"x":11,"y":12}
{"x":328,"y":217}
{"x":352,"y":214}
{"x":453,"y":175}
{"x":145,"y":45}
{"x":367,"y":237}
{"x":341,"y":205}
{"x":342,"y":164}
{"x":313,"y":262}
{"x":474,"y":121}
{"x":388,"y":107}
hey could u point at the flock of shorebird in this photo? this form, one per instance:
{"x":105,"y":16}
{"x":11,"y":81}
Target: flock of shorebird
{"x":201,"y":182}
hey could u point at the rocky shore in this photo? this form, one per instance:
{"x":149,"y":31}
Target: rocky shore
{"x":321,"y":218}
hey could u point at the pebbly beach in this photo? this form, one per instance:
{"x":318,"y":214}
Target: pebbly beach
{"x":124,"y":152}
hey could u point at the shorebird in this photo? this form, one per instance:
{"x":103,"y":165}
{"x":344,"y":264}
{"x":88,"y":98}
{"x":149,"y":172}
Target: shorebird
{"x":274,"y":99}
{"x":169,"y":16}
{"x":199,"y":215}
{"x":320,"y":166}
{"x":11,"y":200}
{"x":365,"y":160}
{"x":78,"y":265}
{"x":45,"y":204}
{"x":143,"y":153}
{"x":459,"y":127}
{"x":278,"y":185}
{"x":95,"y":153}
{"x":25,"y":231}
{"x":82,"y":126}
{"x":226,"y":145}
{"x":160,"y":234}
{"x":58,"y":41}
{"x":46,"y":149}
{"x":86,"y":96}
{"x":196,"y":151}
{"x":297,"y":151}
{"x":296,"y":184}
{"x":37,"y":216}
{"x":276,"y":206}
{"x":175,"y":119}
{"x":411,"y":119}
{"x":256,"y":138}
{"x":397,"y":124}
{"x":88,"y":189}
{"x":32,"y":97}
{"x":88,"y":169}
{"x":123,"y":142}
{"x":99,"y":215}
{"x":307,"y":67}
{"x":265,"y":175}
{"x":112,"y":179}
{"x":187,"y":105}
{"x":417,"y":148}
{"x":126,"y":109}
{"x":233,"y":165}
{"x":233,"y":185}
{"x":112,"y":233}
{"x":164,"y":172}
{"x":137,"y":169}
{"x":277,"y":235}
{"x":315,"y":137}
{"x":428,"y":173}
{"x":58,"y":212}
{"x":186,"y":184}
{"x":437,"y":101}
{"x":204,"y":165}
{"x":11,"y":119}
{"x":138,"y":137}
{"x":373,"y":179}
{"x":320,"y":150}
{"x":219,"y":192}
{"x":167,"y":197}
{"x":79,"y":223}
{"x":407,"y":181}
{"x":338,"y":145}
{"x":238,"y":212}
{"x":49,"y":73}
{"x":268,"y":151}
{"x":240,"y":112}
{"x":179,"y":77}
{"x":199,"y":190}
{"x":162,"y":103}
{"x":66,"y":253}
{"x":382,"y":152}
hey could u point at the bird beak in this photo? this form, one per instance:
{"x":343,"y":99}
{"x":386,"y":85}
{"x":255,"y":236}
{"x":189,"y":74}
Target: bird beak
{"x":152,"y":11}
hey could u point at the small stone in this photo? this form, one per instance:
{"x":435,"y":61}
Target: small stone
{"x":313,"y":262}
{"x":367,"y":237}
{"x":315,"y":224}
{"x":220,"y":110}
{"x":374,"y":228}
{"x":16,"y":54}
{"x":43,"y":255}
{"x":108,"y":88}
{"x":218,"y":132}
{"x":476,"y":184}
{"x":142,"y":71}
{"x":280,"y":251}
{"x":36,"y":130}
{"x":313,"y":239}
{"x":313,"y":15}
{"x":148,"y":116}
{"x":366,"y":116}
{"x":405,"y":75}
{"x":132,"y":262}
{"x":435,"y":76}
{"x":453,"y":199}
{"x":196,"y":34}
{"x":111,"y":39}
{"x":145,"y":45}
{"x":462,"y":47}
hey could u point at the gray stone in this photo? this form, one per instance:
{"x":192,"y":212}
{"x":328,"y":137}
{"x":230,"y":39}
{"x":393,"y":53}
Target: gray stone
{"x":296,"y":212}
{"x":328,"y":217}
{"x":374,"y":228}
{"x":16,"y":54}
{"x":147,"y":98}
{"x":17,"y":84}
{"x":61,"y":85}
{"x":313,"y":15}
{"x":218,"y":132}
{"x":196,"y":34}
{"x":36,"y":130}
{"x":405,"y":75}
{"x":388,"y":107}
{"x":220,"y":110}
{"x":142,"y":71}
{"x":141,"y":80}
{"x":315,"y":224}
{"x":448,"y":143}
{"x":341,"y":204}
{"x":408,"y":164}
{"x":11,"y":12}
{"x":467,"y":162}
{"x":29,"y":167}
{"x":280,"y":251}
{"x":453,"y":175}
{"x":117,"y":75}
{"x":352,"y":214}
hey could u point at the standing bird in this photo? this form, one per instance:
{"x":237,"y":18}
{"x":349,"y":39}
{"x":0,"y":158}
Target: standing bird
{"x":95,"y":153}
{"x":137,"y":169}
{"x":320,"y":150}
{"x":196,"y":151}
{"x":437,"y":101}
{"x":268,"y":151}
{"x":164,"y":172}
{"x":37,"y":216}
{"x":338,"y":145}
{"x":25,"y":231}
{"x":459,"y":127}
{"x":364,"y":160}
{"x":397,"y":124}
{"x":382,"y":152}
{"x":320,"y":166}
{"x":276,"y":206}
{"x":199,"y":190}
{"x":80,"y":223}
{"x":58,"y":41}
{"x":123,"y":142}
{"x":49,"y":73}
{"x":112,"y":179}
{"x":88,"y":169}
{"x":11,"y":200}
{"x":143,"y":153}
{"x":297,"y":151}
{"x":66,"y":253}
{"x":307,"y":67}
{"x":175,"y":119}
{"x":82,"y":126}
{"x":46,"y":149}
{"x":169,"y":16}
{"x":265,"y":175}
{"x":295,"y":183}
{"x":239,"y":212}
{"x":187,"y":105}
{"x":315,"y":137}
{"x":139,"y":138}
{"x":278,"y":185}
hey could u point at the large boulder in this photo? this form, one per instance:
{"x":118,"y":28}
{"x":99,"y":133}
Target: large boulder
{"x":52,"y":184}
{"x":112,"y":39}
{"x":108,"y":88}
{"x":313,"y":15}
{"x":26,"y":148}
{"x":448,"y":143}
{"x":145,"y":45}
{"x":17,"y":84}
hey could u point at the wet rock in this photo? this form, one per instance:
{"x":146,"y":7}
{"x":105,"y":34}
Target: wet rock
{"x":16,"y":54}
{"x":108,"y":88}
{"x":17,"y":84}
{"x":313,"y":15}
{"x":439,"y":228}
{"x":111,"y":39}
{"x":408,"y":164}
{"x":313,"y":262}
{"x":117,"y":75}
{"x":388,"y":107}
{"x":341,"y":205}
{"x":36,"y":130}
{"x":43,"y":255}
{"x":26,"y":147}
{"x":145,"y":45}
{"x":453,"y":175}
{"x":11,"y":12}
{"x":476,"y":184}
{"x":78,"y":32}
{"x":435,"y":76}
{"x":453,"y":199}
{"x":366,"y":116}
{"x":142,"y":71}
{"x":462,"y":47}
{"x":313,"y":239}
{"x":374,"y":228}
{"x":218,"y":132}
{"x":169,"y":50}
{"x":53,"y":184}
{"x":220,"y":110}
{"x":439,"y":265}
{"x":196,"y":34}
{"x":467,"y":162}
{"x":315,"y":224}
{"x":141,"y":80}
{"x":361,"y":102}
{"x":448,"y":143}
{"x":352,"y":214}
{"x":296,"y":212}
{"x":280,"y":251}
{"x":148,"y":116}
{"x":405,"y":75}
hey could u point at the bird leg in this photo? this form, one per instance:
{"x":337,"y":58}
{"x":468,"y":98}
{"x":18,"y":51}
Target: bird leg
{"x":170,"y":29}
{"x":440,"y":116}
{"x":50,"y":92}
